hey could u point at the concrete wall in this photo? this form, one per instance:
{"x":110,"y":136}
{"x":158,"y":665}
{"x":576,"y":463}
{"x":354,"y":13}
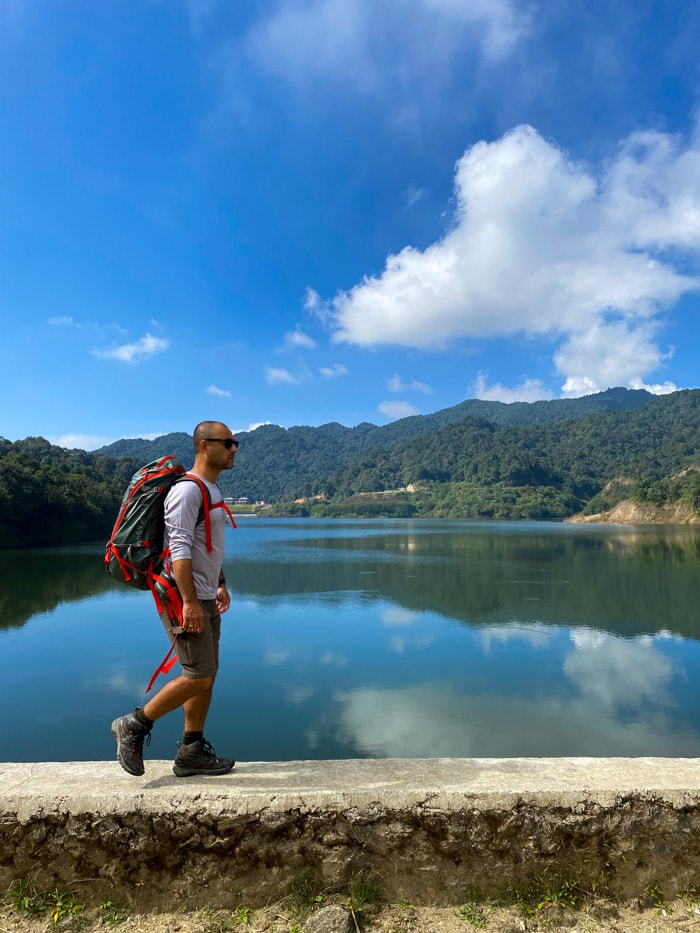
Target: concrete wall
{"x":426,"y":828}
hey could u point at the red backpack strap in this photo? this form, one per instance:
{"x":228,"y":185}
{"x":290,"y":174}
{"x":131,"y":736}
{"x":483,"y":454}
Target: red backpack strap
{"x":164,"y":667}
{"x":171,"y":604}
{"x":205,"y":506}
{"x":222,"y":505}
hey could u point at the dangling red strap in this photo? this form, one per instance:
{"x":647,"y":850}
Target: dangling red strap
{"x":172,"y":606}
{"x":164,"y":667}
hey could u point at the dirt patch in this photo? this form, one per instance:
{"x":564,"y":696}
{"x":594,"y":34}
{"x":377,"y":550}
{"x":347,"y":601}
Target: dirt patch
{"x":683,"y":916}
{"x":634,"y":513}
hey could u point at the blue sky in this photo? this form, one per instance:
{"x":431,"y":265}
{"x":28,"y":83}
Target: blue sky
{"x":303,"y":211}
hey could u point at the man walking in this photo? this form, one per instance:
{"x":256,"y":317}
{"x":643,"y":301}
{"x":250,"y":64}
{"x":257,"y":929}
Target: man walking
{"x":200,"y":581}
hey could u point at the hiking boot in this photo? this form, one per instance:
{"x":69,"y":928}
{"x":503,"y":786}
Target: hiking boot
{"x":129,"y":735}
{"x":199,"y":758}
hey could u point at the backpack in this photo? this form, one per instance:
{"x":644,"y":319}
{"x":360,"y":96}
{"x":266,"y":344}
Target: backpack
{"x":136,"y":546}
{"x":135,"y":553}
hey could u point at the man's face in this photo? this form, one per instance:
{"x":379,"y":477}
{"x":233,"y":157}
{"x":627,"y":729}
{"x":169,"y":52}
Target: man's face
{"x":221,"y":447}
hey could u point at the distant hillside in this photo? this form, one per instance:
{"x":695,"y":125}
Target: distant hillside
{"x":179,"y":444}
{"x":476,"y":468}
{"x":275,"y":463}
{"x":49,"y":495}
{"x":546,"y":460}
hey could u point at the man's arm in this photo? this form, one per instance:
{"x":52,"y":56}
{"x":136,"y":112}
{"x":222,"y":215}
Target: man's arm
{"x":192,"y":614}
{"x":223,"y":600}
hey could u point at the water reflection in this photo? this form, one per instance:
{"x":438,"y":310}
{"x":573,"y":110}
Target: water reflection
{"x":435,"y":720}
{"x":384,"y":639}
{"x":625,"y":580}
{"x":38,"y":581}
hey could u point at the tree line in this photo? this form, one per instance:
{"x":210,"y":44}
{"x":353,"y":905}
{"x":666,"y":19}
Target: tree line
{"x":550,"y":460}
{"x":50,"y":495}
{"x":478,"y":469}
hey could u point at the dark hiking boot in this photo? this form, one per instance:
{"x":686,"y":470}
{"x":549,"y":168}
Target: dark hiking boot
{"x":199,"y":758}
{"x":129,"y":735}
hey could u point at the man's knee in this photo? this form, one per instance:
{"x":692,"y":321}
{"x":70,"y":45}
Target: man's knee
{"x":199,"y":685}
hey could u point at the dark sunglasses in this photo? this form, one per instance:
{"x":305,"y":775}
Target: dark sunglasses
{"x":228,"y":442}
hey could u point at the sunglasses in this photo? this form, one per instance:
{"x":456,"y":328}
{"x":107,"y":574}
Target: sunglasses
{"x":228,"y":442}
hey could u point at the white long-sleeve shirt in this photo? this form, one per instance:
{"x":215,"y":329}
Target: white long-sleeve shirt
{"x":188,"y":540}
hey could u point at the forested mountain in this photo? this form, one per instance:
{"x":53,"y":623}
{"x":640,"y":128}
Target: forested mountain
{"x":477,"y":459}
{"x":49,"y":495}
{"x":275,"y":463}
{"x":476,"y":468}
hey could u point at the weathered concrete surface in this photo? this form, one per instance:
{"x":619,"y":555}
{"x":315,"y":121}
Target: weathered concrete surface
{"x":426,"y":828}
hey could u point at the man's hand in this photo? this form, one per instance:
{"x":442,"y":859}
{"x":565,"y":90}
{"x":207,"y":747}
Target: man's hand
{"x":223,"y":600}
{"x":192,"y":617}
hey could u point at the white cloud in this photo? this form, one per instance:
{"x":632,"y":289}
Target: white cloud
{"x":396,"y":616}
{"x":312,"y":300}
{"x":541,"y":246}
{"x":396,"y":384}
{"x":656,"y":388}
{"x":297,"y":340}
{"x":333,"y":659}
{"x":395,"y":410}
{"x":298,"y":695}
{"x":62,"y":321}
{"x":142,"y":349}
{"x":618,"y":672}
{"x":434,"y":720}
{"x":276,"y":655}
{"x":531,"y":390}
{"x":221,"y":393}
{"x":337,"y":369}
{"x":81,"y":441}
{"x":253,"y":426}
{"x":93,"y":441}
{"x":537,"y":634}
{"x":608,"y":355}
{"x":311,"y":42}
{"x":274,"y":376}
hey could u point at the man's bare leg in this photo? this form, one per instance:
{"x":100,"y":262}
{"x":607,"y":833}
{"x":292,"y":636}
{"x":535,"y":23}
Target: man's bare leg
{"x":196,"y":709}
{"x":189,"y":692}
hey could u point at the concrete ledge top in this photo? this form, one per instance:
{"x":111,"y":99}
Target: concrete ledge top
{"x":100,"y":787}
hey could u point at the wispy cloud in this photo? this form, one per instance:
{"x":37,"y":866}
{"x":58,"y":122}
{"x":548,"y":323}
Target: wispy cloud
{"x":136,"y":352}
{"x":311,"y":299}
{"x":343,"y":40}
{"x":297,"y":340}
{"x":221,"y":393}
{"x":396,"y":384}
{"x":61,"y":321}
{"x":413,"y":194}
{"x":531,"y":390}
{"x":395,"y":410}
{"x":93,"y":441}
{"x":253,"y":426}
{"x":330,"y":372}
{"x":542,"y":246}
{"x":274,"y":376}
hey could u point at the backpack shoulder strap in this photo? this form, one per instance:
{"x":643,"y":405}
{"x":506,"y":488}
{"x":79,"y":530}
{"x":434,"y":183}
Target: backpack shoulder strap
{"x":205,"y":507}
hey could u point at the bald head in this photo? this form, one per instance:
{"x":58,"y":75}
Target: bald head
{"x":207,"y":429}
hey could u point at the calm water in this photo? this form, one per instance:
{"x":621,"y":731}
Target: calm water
{"x":379,"y":639}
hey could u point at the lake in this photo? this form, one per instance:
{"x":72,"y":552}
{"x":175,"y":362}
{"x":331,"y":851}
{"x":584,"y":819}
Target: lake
{"x":400,"y":638}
